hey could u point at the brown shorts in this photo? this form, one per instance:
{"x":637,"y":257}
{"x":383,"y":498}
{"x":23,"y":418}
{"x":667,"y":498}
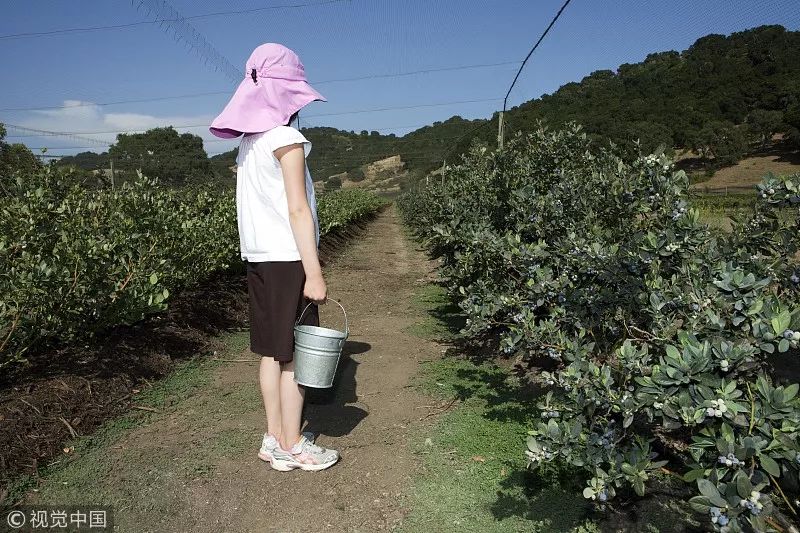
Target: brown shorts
{"x":275,"y":291}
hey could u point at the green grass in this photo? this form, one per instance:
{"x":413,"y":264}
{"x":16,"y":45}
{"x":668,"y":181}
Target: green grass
{"x":441,"y":320}
{"x":475,"y":469}
{"x":475,"y":473}
{"x":718,"y":211}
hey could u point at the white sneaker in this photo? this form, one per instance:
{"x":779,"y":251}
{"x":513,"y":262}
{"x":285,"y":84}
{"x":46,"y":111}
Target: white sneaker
{"x":304,"y":455}
{"x":269,"y":443}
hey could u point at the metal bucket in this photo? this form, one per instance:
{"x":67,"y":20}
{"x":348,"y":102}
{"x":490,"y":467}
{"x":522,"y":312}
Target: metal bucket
{"x":317,"y":351}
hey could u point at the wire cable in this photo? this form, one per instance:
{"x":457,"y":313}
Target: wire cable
{"x":183,"y":30}
{"x":189,"y":126}
{"x":176,"y":19}
{"x":41,"y":133}
{"x":215,"y":93}
{"x":535,"y":46}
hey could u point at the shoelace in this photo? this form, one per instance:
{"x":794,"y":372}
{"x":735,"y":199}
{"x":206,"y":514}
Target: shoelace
{"x":311,"y":447}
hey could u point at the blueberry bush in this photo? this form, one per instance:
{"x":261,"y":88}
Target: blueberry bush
{"x":75,"y":262}
{"x":338,"y":209}
{"x":653,"y":332}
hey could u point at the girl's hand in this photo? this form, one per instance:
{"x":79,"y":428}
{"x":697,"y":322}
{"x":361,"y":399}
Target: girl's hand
{"x":316,"y":290}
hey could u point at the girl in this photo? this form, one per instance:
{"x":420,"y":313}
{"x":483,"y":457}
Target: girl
{"x":278,"y":237}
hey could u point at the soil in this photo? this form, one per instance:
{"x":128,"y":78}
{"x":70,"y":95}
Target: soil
{"x":369,"y":416}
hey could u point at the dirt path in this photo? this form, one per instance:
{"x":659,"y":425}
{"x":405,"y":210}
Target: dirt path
{"x":195,"y":469}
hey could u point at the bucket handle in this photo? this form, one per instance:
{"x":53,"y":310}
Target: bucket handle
{"x":346,"y":327}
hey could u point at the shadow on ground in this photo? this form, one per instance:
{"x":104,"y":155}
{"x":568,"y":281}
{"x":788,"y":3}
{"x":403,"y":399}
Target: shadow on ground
{"x":326,"y":410}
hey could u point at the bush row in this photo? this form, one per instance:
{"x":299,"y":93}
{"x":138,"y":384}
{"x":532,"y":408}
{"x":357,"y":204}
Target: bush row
{"x":649,"y":332}
{"x":338,"y":209}
{"x":75,"y":262}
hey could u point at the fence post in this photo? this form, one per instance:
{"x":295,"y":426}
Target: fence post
{"x":112,"y":173}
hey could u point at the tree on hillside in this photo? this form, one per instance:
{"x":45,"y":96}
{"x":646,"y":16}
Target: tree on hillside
{"x":333,"y":183}
{"x":15,"y":159}
{"x":356,"y":174}
{"x":717,"y":79}
{"x":764,"y":124}
{"x":224,"y":165}
{"x":86,"y":161}
{"x":720,"y":143}
{"x":651,"y":135}
{"x":176,"y":159}
{"x":792,"y":120}
{"x":670,"y":98}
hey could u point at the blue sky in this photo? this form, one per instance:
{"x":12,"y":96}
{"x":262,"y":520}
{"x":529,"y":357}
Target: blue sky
{"x":74,"y":72}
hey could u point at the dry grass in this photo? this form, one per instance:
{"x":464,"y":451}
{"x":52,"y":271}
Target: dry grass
{"x":747,"y":172}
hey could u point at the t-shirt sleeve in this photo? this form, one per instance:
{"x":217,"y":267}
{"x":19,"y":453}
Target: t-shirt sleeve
{"x":286,"y":135}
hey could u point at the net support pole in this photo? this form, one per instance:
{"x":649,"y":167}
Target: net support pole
{"x":500,"y":130}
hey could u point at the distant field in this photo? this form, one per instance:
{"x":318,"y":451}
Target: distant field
{"x":748,"y":172}
{"x":730,"y":190}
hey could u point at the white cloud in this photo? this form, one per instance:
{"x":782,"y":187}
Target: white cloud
{"x":78,"y":116}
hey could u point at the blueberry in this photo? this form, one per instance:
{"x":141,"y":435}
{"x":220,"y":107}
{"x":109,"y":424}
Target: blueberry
{"x":795,"y":278}
{"x":788,"y":334}
{"x":603,"y":496}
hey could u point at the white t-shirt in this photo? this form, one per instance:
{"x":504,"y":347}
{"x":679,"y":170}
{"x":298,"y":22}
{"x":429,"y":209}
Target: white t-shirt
{"x":265,"y":233}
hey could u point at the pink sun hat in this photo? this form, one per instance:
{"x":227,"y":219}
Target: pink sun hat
{"x":274,"y":88}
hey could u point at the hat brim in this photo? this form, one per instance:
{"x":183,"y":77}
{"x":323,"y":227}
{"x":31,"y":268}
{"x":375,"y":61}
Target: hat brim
{"x":257,"y":107}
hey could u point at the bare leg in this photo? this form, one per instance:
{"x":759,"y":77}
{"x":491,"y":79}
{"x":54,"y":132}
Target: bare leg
{"x":270,"y":379}
{"x":292,"y":397}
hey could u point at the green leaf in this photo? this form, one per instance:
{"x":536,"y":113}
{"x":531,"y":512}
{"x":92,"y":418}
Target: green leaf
{"x":790,"y":392}
{"x":533,"y":445}
{"x":730,"y":387}
{"x":700,"y":504}
{"x":693,"y":475}
{"x":756,"y":308}
{"x":781,"y":322}
{"x":769,"y":464}
{"x":709,"y":490}
{"x":553,"y":429}
{"x":783,"y":346}
{"x":672,"y":351}
{"x":627,"y":421}
{"x":743,"y":485}
{"x":153,"y":278}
